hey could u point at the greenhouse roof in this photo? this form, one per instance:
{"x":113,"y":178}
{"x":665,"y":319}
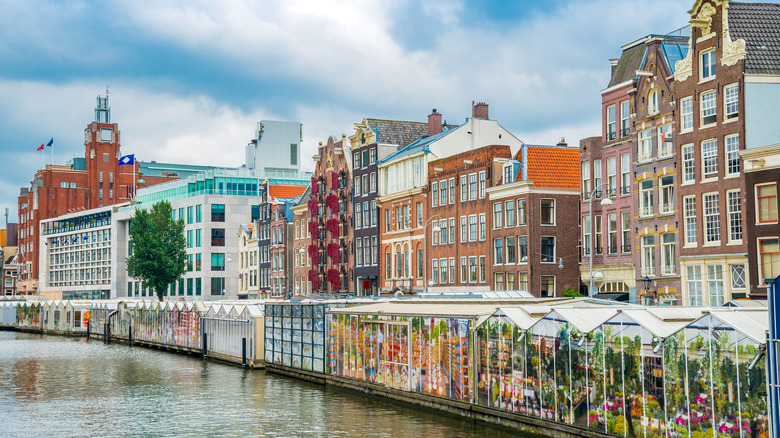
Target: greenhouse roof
{"x":584,"y":319}
{"x":523,"y":316}
{"x":412,"y":309}
{"x":752,"y":322}
{"x":654,"y":324}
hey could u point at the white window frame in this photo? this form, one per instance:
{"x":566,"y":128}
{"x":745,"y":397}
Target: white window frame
{"x":612,"y":176}
{"x":686,"y":114}
{"x":689,"y":214}
{"x":707,"y":66}
{"x":665,"y":142}
{"x":625,"y":126}
{"x":666,"y":194}
{"x":645,"y":151}
{"x":647,"y":259}
{"x":734,"y":212}
{"x":732,"y":155}
{"x":711,"y":209}
{"x":731,"y":102}
{"x":764,"y":215}
{"x":689,"y":163}
{"x":611,"y":122}
{"x":708,"y":108}
{"x":693,"y":280}
{"x":668,"y":253}
{"x":709,"y":158}
{"x":625,"y":174}
{"x":646,"y":207}
{"x":553,"y":214}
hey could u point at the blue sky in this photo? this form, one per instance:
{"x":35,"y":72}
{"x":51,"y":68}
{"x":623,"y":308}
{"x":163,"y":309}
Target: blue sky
{"x":190,"y":79}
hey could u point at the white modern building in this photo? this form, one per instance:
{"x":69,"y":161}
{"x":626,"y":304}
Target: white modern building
{"x":276,"y":147}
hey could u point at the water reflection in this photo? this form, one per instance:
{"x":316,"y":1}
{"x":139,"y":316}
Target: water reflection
{"x":61,"y":386}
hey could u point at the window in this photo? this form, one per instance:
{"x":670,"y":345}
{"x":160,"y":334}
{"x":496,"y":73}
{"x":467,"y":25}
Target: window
{"x":507,"y":174}
{"x":217,"y":262}
{"x":498,"y":251}
{"x":689,"y":165}
{"x":646,"y":197}
{"x":709,"y":111}
{"x":667,"y":254}
{"x":548,"y":212}
{"x":547,"y":286}
{"x":359,"y":186}
{"x":373,"y":214}
{"x":473,"y":228}
{"x":667,"y":194}
{"x":359,"y":252}
{"x":464,"y":270}
{"x":190,"y":216}
{"x":522,"y":249}
{"x":482,"y":226}
{"x":482,"y":184}
{"x":715,"y":284}
{"x":359,"y":215}
{"x":686,"y":111}
{"x":463,"y":229}
{"x":707,"y":64}
{"x":510,"y":281}
{"x":443,"y":192}
{"x":367,"y":215}
{"x":709,"y":152}
{"x":522,"y":281}
{"x":419,"y":263}
{"x":665,"y":140}
{"x":611,"y":122}
{"x":732,"y":154}
{"x":732,"y":101}
{"x":766,"y":196}
{"x":388,"y":265}
{"x":652,"y":102}
{"x":435,"y":270}
{"x":768,"y":259}
{"x":734,"y":204}
{"x":521,"y":214}
{"x":689,"y":212}
{"x":472,"y":186}
{"x":452,"y":230}
{"x":373,"y":182}
{"x":585,"y":180}
{"x":463,"y":189}
{"x":645,"y":145}
{"x":498,"y":215}
{"x":711,"y":217}
{"x":357,"y":160}
{"x":435,"y":194}
{"x":612,"y":176}
{"x":443,"y":233}
{"x":694,"y":280}
{"x":597,"y":233}
{"x":738,"y":276}
{"x":586,"y":235}
{"x":499,"y":281}
{"x":510,"y":250}
{"x":189,"y":239}
{"x":419,"y":214}
{"x":217,"y":212}
{"x":548,"y":249}
{"x":624,"y":117}
{"x":509,"y":209}
{"x":452,"y":190}
{"x":612,"y":230}
{"x":472,"y":269}
{"x":597,"y":177}
{"x":372,"y":156}
{"x":452,"y":270}
{"x":293,"y":154}
{"x":648,"y":255}
{"x":388,"y":220}
{"x":198,"y":213}
{"x":218,"y":237}
{"x":625,"y":174}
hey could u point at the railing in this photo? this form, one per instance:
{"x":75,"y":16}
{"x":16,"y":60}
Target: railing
{"x":646,"y":211}
{"x":613,"y":249}
{"x":625,"y":190}
{"x":626,"y":248}
{"x":666,"y":208}
{"x":648,"y":271}
{"x":625,"y":132}
{"x":667,"y":270}
{"x":599,"y":250}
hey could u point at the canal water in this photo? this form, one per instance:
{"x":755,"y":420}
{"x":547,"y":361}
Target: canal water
{"x":61,"y":386}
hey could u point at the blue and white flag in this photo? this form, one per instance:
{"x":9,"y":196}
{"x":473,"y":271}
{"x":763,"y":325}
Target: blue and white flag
{"x":127,"y":159}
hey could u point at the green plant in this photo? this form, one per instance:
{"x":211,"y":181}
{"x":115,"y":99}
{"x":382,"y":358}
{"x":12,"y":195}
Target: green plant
{"x":571,"y":292}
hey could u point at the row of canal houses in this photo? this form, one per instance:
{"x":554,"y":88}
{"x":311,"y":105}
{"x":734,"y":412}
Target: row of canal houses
{"x":573,"y":363}
{"x":674,"y":203}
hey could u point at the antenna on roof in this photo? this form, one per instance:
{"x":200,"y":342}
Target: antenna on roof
{"x":107,"y":91}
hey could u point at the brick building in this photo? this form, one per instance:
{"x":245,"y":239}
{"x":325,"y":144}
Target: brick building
{"x":82,"y":184}
{"x":300,"y":244}
{"x":606,"y":173}
{"x":373,"y":140}
{"x":281,"y":251}
{"x":657,"y":236}
{"x":331,"y":222}
{"x":533,"y":221}
{"x":710,"y":87}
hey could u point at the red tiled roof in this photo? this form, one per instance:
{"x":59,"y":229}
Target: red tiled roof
{"x":554,"y":167}
{"x":285,"y":191}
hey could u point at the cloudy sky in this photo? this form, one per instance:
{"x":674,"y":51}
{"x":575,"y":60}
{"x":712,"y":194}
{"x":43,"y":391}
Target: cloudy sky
{"x":190,"y":79}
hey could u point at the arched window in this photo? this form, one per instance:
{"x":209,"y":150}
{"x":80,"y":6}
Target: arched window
{"x":652,"y":101}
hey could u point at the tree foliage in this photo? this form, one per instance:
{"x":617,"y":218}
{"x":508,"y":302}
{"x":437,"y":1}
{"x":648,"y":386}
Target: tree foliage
{"x":159,"y":257}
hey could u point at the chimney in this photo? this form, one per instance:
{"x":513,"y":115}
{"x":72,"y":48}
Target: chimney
{"x":434,"y":122}
{"x":480,"y":111}
{"x":562,"y":142}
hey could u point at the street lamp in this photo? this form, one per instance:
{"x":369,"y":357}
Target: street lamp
{"x":646,"y":284}
{"x":436,"y":228}
{"x":605,"y":202}
{"x":224,"y":287}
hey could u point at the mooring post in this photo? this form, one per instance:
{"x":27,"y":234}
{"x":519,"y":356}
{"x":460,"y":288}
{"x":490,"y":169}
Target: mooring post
{"x":205,"y":345}
{"x":243,"y":352}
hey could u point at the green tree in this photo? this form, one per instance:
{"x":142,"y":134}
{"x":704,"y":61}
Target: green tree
{"x":159,"y":257}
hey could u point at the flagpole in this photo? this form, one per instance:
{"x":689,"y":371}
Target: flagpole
{"x":134,"y":178}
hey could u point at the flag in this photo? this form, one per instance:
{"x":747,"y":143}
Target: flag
{"x":127,"y":159}
{"x":51,"y":142}
{"x":40,"y":148}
